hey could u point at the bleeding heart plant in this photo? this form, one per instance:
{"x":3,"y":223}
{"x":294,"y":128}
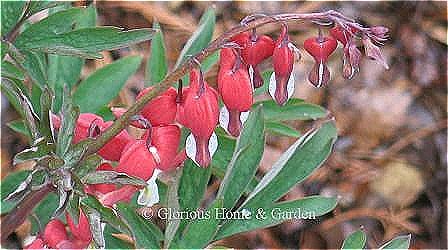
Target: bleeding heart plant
{"x":96,"y":166}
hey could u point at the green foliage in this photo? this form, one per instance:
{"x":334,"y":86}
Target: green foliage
{"x":156,"y":67}
{"x":356,"y":240}
{"x":105,"y":83}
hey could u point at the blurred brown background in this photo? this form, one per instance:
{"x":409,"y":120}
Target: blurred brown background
{"x":389,"y":163}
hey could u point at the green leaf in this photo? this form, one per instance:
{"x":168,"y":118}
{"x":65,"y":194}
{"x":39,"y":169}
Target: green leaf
{"x":112,"y":177}
{"x":356,"y":240}
{"x":10,"y":70}
{"x":245,"y":159}
{"x":278,"y":128}
{"x":223,"y":154}
{"x":35,"y":65}
{"x":88,"y":165}
{"x":10,"y":183}
{"x":19,"y":127}
{"x":104,"y":84}
{"x":37,"y":6}
{"x":399,"y":242}
{"x":309,"y":207}
{"x":37,"y":152}
{"x":44,"y":211}
{"x":66,"y":70}
{"x":12,"y":11}
{"x":299,"y":161}
{"x":107,"y":214}
{"x":172,"y":224}
{"x":294,"y":109}
{"x":85,"y":42}
{"x":201,"y":231}
{"x":200,"y":38}
{"x":156,"y":67}
{"x":70,"y":116}
{"x":114,"y":242}
{"x":192,"y":185}
{"x":46,"y":100}
{"x":266,"y":78}
{"x":146,"y":234}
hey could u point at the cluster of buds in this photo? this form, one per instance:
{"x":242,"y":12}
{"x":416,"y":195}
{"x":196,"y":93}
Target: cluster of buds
{"x":55,"y":235}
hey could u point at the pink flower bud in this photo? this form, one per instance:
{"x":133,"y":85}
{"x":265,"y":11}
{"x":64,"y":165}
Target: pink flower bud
{"x":282,"y":82}
{"x":380,"y":32}
{"x":136,"y":160}
{"x":81,"y":231}
{"x":112,"y":150}
{"x":320,"y":48}
{"x":236,"y":91}
{"x":373,"y":52}
{"x":55,"y":233}
{"x":37,"y":243}
{"x":162,"y":109}
{"x":166,"y":141}
{"x":351,"y":59}
{"x":199,"y":113}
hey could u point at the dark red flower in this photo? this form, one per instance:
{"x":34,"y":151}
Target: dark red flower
{"x":254,"y":50}
{"x":281,"y":85}
{"x":236,"y":91}
{"x":199,"y":112}
{"x":320,"y":48}
{"x":137,"y":160}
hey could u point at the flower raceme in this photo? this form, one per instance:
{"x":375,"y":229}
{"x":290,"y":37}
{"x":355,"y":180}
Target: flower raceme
{"x":199,"y":112}
{"x":235,"y":89}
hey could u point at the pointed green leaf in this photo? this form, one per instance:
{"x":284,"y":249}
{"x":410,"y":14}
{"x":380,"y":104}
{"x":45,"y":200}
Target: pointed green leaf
{"x":114,"y":242}
{"x":70,"y":116}
{"x":99,"y":177}
{"x":356,"y":240}
{"x":201,"y":231}
{"x":10,"y":70}
{"x":146,"y":234}
{"x":306,"y":208}
{"x":156,"y":67}
{"x":12,"y":11}
{"x":294,"y":109}
{"x":200,"y":38}
{"x":245,"y":159}
{"x":19,"y":127}
{"x":299,"y":161}
{"x":7,"y":186}
{"x":399,"y":242}
{"x":85,"y":42}
{"x":278,"y":128}
{"x":104,"y":84}
{"x":107,"y":214}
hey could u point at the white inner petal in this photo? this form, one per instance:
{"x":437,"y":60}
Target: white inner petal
{"x":244,"y":116}
{"x":224,"y":118}
{"x":291,"y":84}
{"x":213,"y":144}
{"x":251,"y":74}
{"x":272,"y":85}
{"x":190,"y":148}
{"x":321,"y":74}
{"x":150,"y":194}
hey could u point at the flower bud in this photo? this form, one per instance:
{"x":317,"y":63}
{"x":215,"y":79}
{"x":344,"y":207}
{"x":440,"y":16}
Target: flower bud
{"x":137,"y":160}
{"x":351,"y":59}
{"x":236,"y":92}
{"x":373,"y":52}
{"x":256,"y":49}
{"x":281,"y":85}
{"x":166,"y":141}
{"x":162,"y":109}
{"x":55,"y":233}
{"x":81,"y":231}
{"x":320,"y":48}
{"x":199,"y":113}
